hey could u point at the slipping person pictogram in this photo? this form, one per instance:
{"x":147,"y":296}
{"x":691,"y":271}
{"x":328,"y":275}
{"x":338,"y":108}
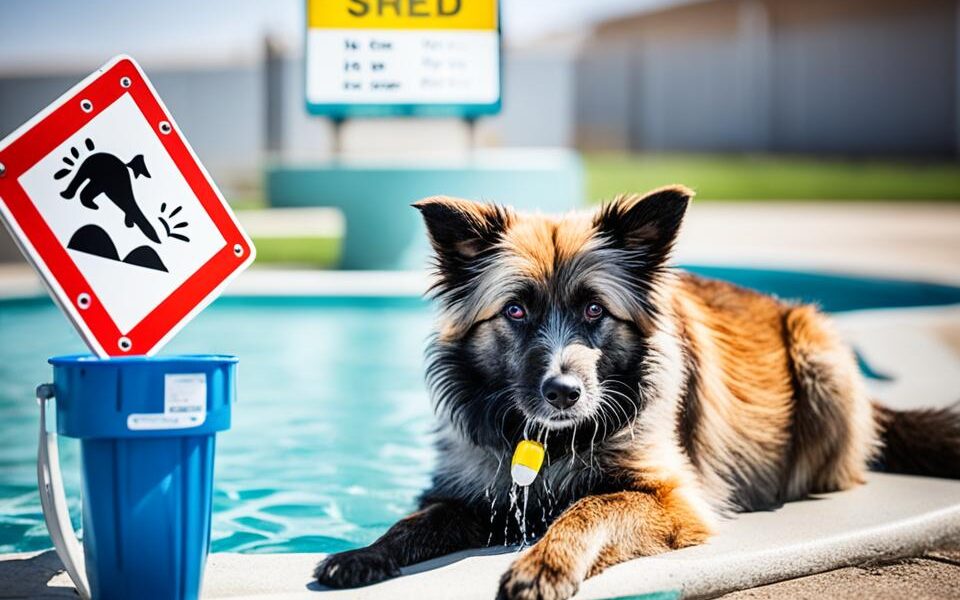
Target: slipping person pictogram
{"x":106,"y":174}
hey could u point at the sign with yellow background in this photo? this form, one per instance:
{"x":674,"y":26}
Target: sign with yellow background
{"x":406,"y":57}
{"x":402,"y":14}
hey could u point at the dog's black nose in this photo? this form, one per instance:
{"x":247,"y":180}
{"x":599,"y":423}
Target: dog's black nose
{"x":562,"y":391}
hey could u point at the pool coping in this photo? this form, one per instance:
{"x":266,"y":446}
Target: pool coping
{"x":21,"y":282}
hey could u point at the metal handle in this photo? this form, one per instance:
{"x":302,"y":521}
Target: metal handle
{"x":54,"y":500}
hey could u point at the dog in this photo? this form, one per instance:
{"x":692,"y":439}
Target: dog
{"x":666,"y":401}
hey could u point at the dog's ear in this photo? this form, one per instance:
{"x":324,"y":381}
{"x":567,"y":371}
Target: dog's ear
{"x":461,"y":229}
{"x":646,"y":224}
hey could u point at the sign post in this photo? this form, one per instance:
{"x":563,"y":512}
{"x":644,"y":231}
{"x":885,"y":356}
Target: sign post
{"x":402,"y":57}
{"x":131,"y":236}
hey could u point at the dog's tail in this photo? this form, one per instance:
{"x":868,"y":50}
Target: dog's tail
{"x":920,"y":442}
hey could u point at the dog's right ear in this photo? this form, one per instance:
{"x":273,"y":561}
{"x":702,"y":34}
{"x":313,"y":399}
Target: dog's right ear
{"x":461,"y":229}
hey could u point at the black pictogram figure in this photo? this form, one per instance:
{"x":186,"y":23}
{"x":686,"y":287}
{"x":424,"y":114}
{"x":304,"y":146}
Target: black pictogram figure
{"x":91,"y":239}
{"x":106,"y":174}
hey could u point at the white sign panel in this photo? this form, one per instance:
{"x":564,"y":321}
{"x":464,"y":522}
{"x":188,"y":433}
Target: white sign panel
{"x":124,"y":212}
{"x":401,"y":56}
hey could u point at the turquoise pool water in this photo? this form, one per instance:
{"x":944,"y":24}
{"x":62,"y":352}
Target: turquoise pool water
{"x":331,"y":437}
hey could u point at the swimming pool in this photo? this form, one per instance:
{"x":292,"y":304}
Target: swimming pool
{"x":331,"y":436}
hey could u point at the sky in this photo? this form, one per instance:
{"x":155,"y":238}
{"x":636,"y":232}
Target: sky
{"x":66,"y":34}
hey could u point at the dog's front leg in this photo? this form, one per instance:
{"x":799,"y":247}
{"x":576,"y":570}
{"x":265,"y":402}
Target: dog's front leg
{"x":437,"y":529}
{"x":597,"y":532}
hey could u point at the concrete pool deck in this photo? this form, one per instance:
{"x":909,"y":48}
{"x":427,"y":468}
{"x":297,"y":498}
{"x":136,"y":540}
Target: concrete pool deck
{"x":916,"y":239}
{"x":890,"y":517}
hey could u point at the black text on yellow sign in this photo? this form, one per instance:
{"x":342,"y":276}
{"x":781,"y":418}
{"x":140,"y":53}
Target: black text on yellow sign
{"x":402,"y":14}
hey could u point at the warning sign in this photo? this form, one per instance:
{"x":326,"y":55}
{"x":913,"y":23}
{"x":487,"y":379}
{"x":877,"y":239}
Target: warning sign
{"x":109,"y":202}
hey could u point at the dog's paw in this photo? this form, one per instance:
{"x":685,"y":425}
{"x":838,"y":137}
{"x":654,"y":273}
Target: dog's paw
{"x":355,"y":568}
{"x":532,"y":577}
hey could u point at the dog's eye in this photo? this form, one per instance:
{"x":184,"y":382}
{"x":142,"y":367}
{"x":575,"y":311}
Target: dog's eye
{"x":515,"y":312}
{"x":593,"y":311}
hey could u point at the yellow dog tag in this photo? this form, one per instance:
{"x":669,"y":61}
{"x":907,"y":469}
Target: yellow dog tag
{"x":527,"y":460}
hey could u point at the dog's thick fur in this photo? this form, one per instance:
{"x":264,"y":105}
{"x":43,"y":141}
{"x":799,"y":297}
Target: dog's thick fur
{"x":699,"y":398}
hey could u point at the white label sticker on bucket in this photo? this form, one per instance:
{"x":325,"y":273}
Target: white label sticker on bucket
{"x":184,"y":404}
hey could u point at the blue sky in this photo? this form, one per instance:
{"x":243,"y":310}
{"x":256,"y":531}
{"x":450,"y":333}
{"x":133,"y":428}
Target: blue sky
{"x":71,"y":33}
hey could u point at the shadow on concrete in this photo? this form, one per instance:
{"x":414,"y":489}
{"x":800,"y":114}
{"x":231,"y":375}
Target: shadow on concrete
{"x":435,"y":563}
{"x":30,"y":577}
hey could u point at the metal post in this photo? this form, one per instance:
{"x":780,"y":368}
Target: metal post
{"x":472,"y":141}
{"x":337,"y":142}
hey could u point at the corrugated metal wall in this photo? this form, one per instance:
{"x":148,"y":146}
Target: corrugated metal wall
{"x":818,"y":76}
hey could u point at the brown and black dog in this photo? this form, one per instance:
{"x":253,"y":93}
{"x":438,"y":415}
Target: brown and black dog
{"x":666,"y":401}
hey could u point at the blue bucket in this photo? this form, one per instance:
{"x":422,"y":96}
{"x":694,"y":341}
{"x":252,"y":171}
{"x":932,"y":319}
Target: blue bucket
{"x":147,"y":429}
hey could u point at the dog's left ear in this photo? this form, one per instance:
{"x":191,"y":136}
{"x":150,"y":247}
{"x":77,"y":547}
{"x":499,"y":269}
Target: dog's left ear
{"x":645,"y":224}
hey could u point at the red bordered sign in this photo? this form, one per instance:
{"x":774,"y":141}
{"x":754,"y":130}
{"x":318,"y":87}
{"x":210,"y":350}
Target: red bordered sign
{"x":111,"y":205}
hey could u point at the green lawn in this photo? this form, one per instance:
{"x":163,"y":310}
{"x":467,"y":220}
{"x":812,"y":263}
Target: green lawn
{"x":318,"y":252}
{"x":773,"y":178}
